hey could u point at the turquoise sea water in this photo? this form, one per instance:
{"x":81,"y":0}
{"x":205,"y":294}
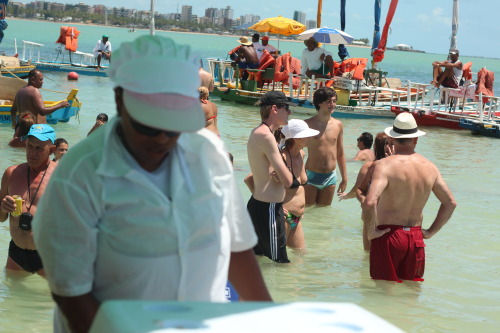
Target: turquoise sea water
{"x":460,"y":292}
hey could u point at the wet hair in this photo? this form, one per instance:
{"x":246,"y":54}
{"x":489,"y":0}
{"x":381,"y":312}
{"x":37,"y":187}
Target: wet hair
{"x":60,"y":141}
{"x":256,"y":36}
{"x":26,"y":120}
{"x":32,"y":74}
{"x":379,"y":146}
{"x":367,"y":139}
{"x":102,"y":116}
{"x":203,"y":92}
{"x":323,"y":94}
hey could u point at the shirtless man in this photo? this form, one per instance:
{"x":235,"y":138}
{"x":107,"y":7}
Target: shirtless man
{"x":246,"y":57}
{"x":325,"y":151}
{"x":452,"y":73}
{"x":23,"y":257}
{"x":210,"y":110}
{"x":267,"y":166}
{"x":29,"y":99}
{"x":400,"y":187}
{"x":365,"y":153}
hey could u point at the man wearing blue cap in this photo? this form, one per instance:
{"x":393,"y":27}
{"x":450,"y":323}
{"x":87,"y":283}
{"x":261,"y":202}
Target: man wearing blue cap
{"x":27,"y":180}
{"x":102,"y":50}
{"x":149,"y":207}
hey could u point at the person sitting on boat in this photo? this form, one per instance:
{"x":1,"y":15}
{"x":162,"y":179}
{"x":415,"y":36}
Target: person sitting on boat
{"x":246,"y":57}
{"x":271,"y":49}
{"x":29,"y":99}
{"x":259,"y":48}
{"x":451,"y":76}
{"x":102,"y":50}
{"x":365,"y":141}
{"x":316,"y":61}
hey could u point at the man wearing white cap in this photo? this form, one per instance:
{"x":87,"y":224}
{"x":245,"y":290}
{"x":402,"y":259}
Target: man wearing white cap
{"x":148,"y":206}
{"x":400,"y":187}
{"x":451,"y":75}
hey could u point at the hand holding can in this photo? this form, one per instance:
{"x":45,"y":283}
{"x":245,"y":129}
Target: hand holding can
{"x":19,"y":205}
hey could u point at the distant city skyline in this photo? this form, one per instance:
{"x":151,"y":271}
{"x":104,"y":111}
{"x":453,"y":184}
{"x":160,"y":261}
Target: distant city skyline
{"x":424,"y":24}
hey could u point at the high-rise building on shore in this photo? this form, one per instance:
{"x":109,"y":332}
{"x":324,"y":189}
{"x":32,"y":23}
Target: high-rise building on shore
{"x":311,"y":24}
{"x":186,"y":13}
{"x":299,"y":16}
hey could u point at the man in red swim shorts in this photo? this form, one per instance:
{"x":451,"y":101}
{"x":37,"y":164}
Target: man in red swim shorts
{"x":400,"y":187}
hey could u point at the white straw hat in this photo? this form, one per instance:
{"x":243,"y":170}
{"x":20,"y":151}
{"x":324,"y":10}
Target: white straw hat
{"x":404,"y":126}
{"x":160,"y":83}
{"x":297,"y":128}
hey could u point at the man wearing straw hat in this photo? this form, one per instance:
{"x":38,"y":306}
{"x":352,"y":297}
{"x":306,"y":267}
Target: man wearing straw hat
{"x":148,"y":206}
{"x":400,"y":187}
{"x":316,"y":61}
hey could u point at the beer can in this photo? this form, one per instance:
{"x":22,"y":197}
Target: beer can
{"x":19,"y":205}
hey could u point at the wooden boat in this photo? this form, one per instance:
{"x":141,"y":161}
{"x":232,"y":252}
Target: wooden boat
{"x":484,"y":128}
{"x":12,"y":67}
{"x":79,"y":62}
{"x":442,"y":115}
{"x":8,"y":90}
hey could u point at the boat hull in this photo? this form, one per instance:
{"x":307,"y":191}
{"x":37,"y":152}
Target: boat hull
{"x":439,"y":119}
{"x":304,"y":106}
{"x":481,"y":128}
{"x":66,"y":67}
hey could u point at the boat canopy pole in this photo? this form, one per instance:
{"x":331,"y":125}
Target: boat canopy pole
{"x":376,"y":30}
{"x":152,"y":26}
{"x":318,"y":14}
{"x":454,"y":26}
{"x":342,"y":49}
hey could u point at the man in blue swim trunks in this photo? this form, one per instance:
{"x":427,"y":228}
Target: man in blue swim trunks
{"x":325,"y":151}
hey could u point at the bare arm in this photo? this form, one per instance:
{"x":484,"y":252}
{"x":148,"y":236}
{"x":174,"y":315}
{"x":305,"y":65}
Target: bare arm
{"x":446,"y":209}
{"x":273,"y":155}
{"x":361,"y":176}
{"x":42,"y":109}
{"x":245,"y":276}
{"x":341,"y":160}
{"x":369,"y":205}
{"x":7,"y":204}
{"x":79,"y":311}
{"x":13,"y":114}
{"x":250,"y":183}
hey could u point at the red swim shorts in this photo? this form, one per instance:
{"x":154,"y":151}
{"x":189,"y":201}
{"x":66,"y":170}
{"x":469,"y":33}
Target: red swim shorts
{"x":398,"y":255}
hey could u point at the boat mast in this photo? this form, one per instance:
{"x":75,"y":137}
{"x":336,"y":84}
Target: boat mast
{"x":318,"y":14}
{"x":454,"y":26}
{"x":152,"y":26}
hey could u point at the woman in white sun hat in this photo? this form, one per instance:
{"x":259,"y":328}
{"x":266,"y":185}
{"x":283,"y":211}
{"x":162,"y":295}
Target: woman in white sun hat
{"x":296,"y":136}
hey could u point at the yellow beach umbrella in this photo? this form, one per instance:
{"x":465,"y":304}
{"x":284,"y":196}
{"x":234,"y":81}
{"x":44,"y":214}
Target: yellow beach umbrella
{"x":279,"y":25}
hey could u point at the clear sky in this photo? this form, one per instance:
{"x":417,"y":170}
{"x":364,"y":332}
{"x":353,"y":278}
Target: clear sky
{"x":423,"y":24}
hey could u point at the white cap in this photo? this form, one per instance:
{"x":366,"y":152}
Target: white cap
{"x":160,"y":81}
{"x":297,"y":128}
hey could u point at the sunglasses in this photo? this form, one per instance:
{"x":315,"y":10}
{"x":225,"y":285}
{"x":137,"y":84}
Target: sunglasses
{"x":286,"y":106}
{"x":149,"y":131}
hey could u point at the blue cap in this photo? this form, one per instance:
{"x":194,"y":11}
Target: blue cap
{"x":42,"y":132}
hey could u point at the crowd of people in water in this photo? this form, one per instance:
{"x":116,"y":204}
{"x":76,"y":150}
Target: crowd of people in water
{"x":149,"y":206}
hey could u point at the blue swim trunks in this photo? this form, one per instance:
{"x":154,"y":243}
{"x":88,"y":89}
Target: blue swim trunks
{"x":321,"y":180}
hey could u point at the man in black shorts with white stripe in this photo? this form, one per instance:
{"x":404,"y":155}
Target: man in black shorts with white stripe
{"x":270,"y":177}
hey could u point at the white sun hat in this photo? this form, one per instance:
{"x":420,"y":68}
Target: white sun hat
{"x":297,"y":128}
{"x":404,"y":126}
{"x":160,"y":83}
